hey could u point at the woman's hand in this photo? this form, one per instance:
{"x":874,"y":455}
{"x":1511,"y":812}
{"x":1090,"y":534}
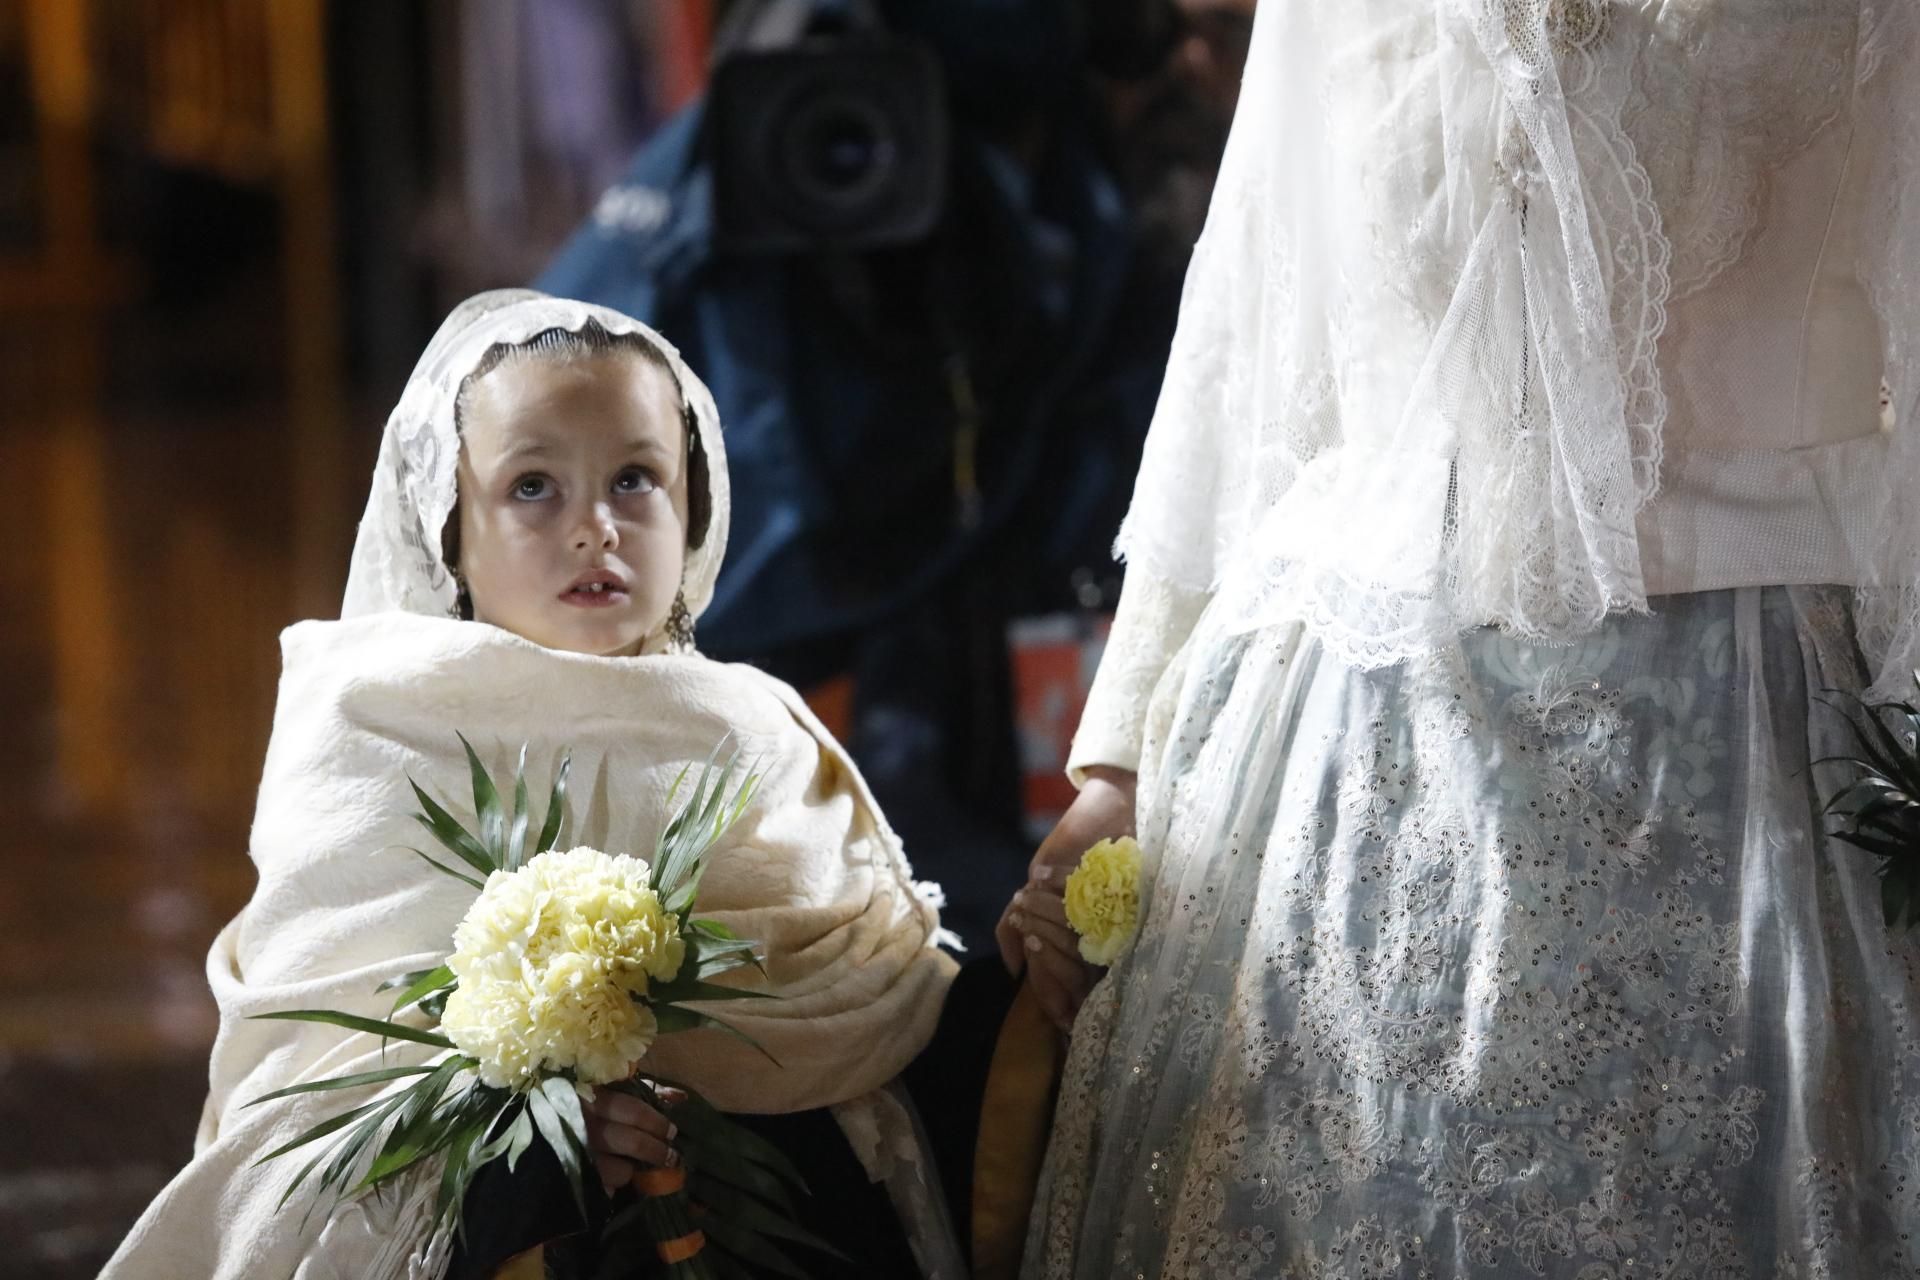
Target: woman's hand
{"x":1033,"y":932}
{"x":626,"y":1135}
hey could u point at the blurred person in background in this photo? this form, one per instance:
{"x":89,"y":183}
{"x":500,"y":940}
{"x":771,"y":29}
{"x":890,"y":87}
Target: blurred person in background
{"x":929,"y":254}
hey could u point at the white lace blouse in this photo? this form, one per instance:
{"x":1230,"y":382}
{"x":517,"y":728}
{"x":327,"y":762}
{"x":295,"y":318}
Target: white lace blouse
{"x":1520,"y":312}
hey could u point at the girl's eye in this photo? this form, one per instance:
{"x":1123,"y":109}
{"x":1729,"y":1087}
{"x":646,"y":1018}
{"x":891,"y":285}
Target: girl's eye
{"x":635,"y":480}
{"x":532,"y":488}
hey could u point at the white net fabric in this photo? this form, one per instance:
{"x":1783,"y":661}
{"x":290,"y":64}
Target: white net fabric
{"x":397,"y":558}
{"x":1420,"y":383}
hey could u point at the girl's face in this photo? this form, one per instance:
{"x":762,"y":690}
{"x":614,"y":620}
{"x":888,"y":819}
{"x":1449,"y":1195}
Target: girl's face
{"x":573,"y":500}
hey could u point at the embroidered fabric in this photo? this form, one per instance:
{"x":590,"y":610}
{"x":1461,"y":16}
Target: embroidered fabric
{"x":1421,"y":379}
{"x":1516,"y":960}
{"x":397,"y":563}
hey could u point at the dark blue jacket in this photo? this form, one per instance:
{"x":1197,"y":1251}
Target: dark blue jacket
{"x":833,"y":380}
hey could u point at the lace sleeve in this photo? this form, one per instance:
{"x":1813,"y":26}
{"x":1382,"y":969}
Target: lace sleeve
{"x":1155,"y":618}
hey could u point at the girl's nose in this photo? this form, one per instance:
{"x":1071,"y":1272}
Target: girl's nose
{"x":598,"y":530}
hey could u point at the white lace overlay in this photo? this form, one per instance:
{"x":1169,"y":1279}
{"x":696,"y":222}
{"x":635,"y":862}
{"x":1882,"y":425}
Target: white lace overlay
{"x":1888,"y":603}
{"x":1422,"y":378}
{"x":1514,"y":961}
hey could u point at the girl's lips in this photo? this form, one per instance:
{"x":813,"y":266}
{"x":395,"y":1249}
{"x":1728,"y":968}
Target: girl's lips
{"x":603,"y":598}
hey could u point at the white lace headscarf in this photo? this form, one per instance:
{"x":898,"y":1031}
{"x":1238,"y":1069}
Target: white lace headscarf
{"x":398,"y":559}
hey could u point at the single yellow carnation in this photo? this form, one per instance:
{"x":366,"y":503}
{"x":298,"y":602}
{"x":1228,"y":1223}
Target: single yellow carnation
{"x":549,"y":959}
{"x":1103,"y":899}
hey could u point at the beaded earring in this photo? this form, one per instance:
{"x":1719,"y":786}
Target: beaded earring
{"x":680,"y":626}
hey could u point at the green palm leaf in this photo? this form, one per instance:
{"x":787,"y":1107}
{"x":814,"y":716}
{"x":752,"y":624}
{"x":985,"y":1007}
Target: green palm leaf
{"x":556,"y":807}
{"x":455,"y":838}
{"x":1878,"y":808}
{"x":373,"y":1026}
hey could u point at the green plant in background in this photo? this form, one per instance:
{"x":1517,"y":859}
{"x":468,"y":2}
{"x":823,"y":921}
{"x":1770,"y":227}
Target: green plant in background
{"x":1879,"y":807}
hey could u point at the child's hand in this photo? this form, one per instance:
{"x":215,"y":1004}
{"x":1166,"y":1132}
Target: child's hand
{"x":626,"y":1135}
{"x":1033,"y":933}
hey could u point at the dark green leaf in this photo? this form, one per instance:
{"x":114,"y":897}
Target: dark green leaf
{"x":339,"y":1170}
{"x":454,"y":1177}
{"x":520,"y":1137}
{"x":500,"y":1141}
{"x":486,"y":806}
{"x":455,"y":838}
{"x":300,"y":1178}
{"x":443,"y":868}
{"x":746,"y":1212}
{"x":403,"y":980}
{"x":709,"y":956}
{"x":709,"y":1128}
{"x":1892,"y":757}
{"x":685,"y":990}
{"x":344,"y":1082}
{"x":674,"y":789}
{"x":673,"y":1017}
{"x":566,"y":1104}
{"x":517,"y":829}
{"x":373,"y":1026}
{"x":1891,"y":849}
{"x":692,"y":830}
{"x":560,"y":1142}
{"x":763,"y":1257}
{"x":426,"y":983}
{"x":419,"y":1130}
{"x":728,"y":962}
{"x":556,"y":807}
{"x":332,"y":1124}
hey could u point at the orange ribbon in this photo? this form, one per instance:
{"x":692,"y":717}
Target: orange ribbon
{"x":655,"y":1183}
{"x":679,"y":1250}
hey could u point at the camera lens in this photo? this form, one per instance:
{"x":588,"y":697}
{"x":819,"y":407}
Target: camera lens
{"x":838,"y":153}
{"x":829,"y":145}
{"x":843,"y":151}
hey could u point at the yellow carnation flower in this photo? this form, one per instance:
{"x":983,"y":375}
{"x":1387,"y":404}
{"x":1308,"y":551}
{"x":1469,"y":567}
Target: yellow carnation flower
{"x":1103,"y":899}
{"x":550,"y":958}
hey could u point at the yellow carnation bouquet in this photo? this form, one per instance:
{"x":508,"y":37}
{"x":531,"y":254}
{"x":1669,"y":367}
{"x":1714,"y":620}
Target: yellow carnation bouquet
{"x":564,"y":970}
{"x":1103,"y":899}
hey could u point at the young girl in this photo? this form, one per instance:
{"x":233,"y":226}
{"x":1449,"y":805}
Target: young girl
{"x":546,"y":522}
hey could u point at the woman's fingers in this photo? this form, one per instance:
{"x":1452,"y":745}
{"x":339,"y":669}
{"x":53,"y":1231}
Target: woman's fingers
{"x":619,"y":1124}
{"x":1059,"y":982}
{"x":606,"y":1138}
{"x":1042,"y":902}
{"x":624,"y":1108}
{"x":1012,"y":944}
{"x":1051,"y":932}
{"x":614,"y":1172}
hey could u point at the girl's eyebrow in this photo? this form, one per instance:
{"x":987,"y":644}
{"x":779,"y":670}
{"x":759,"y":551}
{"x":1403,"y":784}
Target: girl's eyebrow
{"x":533,"y":449}
{"x":528,"y":449}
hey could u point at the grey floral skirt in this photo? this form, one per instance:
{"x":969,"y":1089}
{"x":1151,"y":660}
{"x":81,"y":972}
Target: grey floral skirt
{"x":1521,"y":961}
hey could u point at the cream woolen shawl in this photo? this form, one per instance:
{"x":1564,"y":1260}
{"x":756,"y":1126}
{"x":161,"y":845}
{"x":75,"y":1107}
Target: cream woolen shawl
{"x":811,"y":870}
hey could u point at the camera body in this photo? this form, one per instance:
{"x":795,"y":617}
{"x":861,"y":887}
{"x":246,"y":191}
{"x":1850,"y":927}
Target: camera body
{"x":831,"y":143}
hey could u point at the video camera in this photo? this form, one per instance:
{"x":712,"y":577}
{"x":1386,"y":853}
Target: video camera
{"x":829,"y":130}
{"x":826,"y":132}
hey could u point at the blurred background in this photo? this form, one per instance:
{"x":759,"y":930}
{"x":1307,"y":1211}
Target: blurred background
{"x":928,"y":254}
